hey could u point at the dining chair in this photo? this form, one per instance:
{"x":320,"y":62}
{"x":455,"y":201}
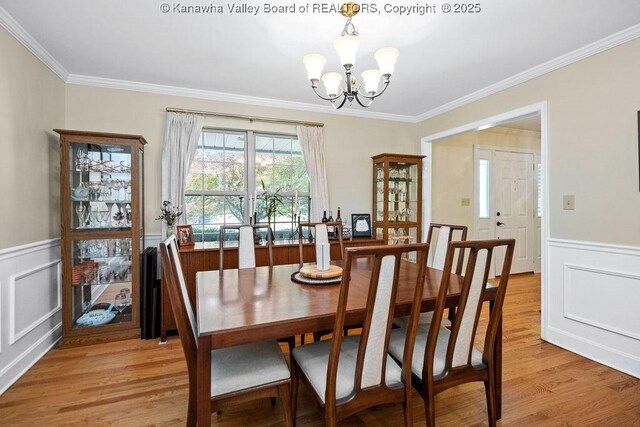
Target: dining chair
{"x":348,"y":374}
{"x":240,"y":373}
{"x":445,"y":358}
{"x":446,"y":233}
{"x":247,"y":256}
{"x":321,"y":235}
{"x":319,"y":231}
{"x":246,"y":244}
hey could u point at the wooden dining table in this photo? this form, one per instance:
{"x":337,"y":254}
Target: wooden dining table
{"x":240,"y":306}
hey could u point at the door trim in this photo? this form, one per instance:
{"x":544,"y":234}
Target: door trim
{"x":538,"y":108}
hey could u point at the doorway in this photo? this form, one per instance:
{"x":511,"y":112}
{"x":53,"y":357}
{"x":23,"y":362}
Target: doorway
{"x":540,"y":173}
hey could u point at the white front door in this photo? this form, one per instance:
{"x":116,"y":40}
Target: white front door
{"x":514,"y":207}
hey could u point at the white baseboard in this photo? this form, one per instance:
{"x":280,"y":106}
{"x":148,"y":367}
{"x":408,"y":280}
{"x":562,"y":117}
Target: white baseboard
{"x":624,"y":362}
{"x":593,"y":291}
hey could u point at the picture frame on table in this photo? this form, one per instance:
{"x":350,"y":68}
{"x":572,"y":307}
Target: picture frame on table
{"x":360,"y":225}
{"x":185,"y":236}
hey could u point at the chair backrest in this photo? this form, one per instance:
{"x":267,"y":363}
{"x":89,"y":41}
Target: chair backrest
{"x":474,"y":283}
{"x":180,"y":302}
{"x":439,"y":249}
{"x":321,"y":235}
{"x":246,"y":245}
{"x":376,"y":329}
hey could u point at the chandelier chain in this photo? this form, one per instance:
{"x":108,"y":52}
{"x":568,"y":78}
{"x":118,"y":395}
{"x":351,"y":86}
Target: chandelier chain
{"x":349,"y":29}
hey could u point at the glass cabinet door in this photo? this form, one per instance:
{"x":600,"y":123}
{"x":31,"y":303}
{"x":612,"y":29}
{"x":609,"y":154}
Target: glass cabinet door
{"x":100,"y":181}
{"x":397,"y":198}
{"x":379,"y":195}
{"x":101,"y":282}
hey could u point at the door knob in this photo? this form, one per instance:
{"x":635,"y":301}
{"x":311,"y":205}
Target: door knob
{"x":499,"y":223}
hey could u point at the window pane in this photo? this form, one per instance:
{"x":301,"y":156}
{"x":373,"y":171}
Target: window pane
{"x":279,"y":163}
{"x":233,"y":210}
{"x":193,"y":214}
{"x":483,"y":189}
{"x":213,"y":176}
{"x":194,"y":177}
{"x":223,"y":161}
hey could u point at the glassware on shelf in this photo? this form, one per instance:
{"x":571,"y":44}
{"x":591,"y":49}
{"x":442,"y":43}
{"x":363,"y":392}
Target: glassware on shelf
{"x":81,"y":211}
{"x":121,"y":301}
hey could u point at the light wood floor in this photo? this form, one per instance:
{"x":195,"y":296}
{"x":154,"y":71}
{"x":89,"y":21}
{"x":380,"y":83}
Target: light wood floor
{"x":135,"y":383}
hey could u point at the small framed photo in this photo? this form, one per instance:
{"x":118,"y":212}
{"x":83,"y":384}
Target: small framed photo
{"x":185,"y":236}
{"x":360,"y":225}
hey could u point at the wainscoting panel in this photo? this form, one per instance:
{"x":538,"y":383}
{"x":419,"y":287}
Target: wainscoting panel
{"x":30,"y":306}
{"x":594,"y":295}
{"x":34,"y":297}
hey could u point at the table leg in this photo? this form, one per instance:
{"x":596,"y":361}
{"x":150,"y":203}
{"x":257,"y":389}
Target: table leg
{"x":498,"y":369}
{"x":203,"y":387}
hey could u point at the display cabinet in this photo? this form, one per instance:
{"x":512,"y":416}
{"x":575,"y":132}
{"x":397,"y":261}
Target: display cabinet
{"x":101,"y":194}
{"x":397,"y":198}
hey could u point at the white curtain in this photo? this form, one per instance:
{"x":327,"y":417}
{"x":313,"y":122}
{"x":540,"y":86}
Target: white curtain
{"x":312,"y":144}
{"x":180,"y":144}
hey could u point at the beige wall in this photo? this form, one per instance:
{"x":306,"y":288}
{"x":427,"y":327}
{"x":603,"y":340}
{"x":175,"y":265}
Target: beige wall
{"x":32,"y":103}
{"x":592,"y":137}
{"x":452,"y":170}
{"x":349,"y":142}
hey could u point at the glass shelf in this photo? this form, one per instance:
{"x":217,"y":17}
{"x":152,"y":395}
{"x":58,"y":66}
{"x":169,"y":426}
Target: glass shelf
{"x":98,"y":305}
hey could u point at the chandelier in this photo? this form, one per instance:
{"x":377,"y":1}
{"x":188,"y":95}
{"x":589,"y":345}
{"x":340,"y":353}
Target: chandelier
{"x":346,"y":46}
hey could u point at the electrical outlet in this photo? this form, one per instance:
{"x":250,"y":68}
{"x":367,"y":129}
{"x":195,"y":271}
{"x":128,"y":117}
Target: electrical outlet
{"x":569,"y":202}
{"x":465,"y":201}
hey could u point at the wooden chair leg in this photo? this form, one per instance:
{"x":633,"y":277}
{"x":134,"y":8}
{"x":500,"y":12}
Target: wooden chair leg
{"x":191,"y":409}
{"x":490,"y":391}
{"x":284,"y":392}
{"x":294,"y":391}
{"x":407,"y":407}
{"x":429,"y":405}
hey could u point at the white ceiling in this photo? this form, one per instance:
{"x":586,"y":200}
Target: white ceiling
{"x":443,"y":57}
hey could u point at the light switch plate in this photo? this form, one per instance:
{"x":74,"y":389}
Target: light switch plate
{"x":465,"y":201}
{"x":569,"y":202}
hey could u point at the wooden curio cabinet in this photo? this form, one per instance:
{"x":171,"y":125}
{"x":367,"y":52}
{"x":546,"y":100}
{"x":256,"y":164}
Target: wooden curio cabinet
{"x":101,"y":204}
{"x":397,"y":198}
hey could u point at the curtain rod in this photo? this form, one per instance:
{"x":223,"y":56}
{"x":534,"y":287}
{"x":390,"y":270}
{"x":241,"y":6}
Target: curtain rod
{"x":239,"y":116}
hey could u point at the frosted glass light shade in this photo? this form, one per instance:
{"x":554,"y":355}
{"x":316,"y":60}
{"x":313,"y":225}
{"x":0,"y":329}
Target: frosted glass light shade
{"x":371,"y":79}
{"x":314,"y":63}
{"x":332,"y":83}
{"x":347,"y":46}
{"x":386,"y":59}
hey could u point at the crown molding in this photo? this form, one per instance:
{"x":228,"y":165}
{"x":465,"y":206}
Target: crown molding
{"x":19,"y":33}
{"x":608,"y":42}
{"x":227,"y":97}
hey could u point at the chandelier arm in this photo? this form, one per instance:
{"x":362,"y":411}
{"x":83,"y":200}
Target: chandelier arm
{"x":344,"y":99}
{"x":357,"y":97}
{"x":324,"y":97}
{"x":386,"y":85}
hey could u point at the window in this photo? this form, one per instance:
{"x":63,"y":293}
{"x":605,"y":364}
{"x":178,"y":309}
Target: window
{"x":484,"y":173}
{"x":228,"y":171}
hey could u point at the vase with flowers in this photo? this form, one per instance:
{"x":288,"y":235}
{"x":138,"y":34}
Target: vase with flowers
{"x":169,"y":215}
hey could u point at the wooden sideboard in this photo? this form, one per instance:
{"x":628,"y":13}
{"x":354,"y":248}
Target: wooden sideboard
{"x":194,"y":260}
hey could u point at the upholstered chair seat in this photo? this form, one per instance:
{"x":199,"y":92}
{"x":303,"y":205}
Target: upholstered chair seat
{"x":396,"y":349}
{"x":247,"y":366}
{"x":313,"y":360}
